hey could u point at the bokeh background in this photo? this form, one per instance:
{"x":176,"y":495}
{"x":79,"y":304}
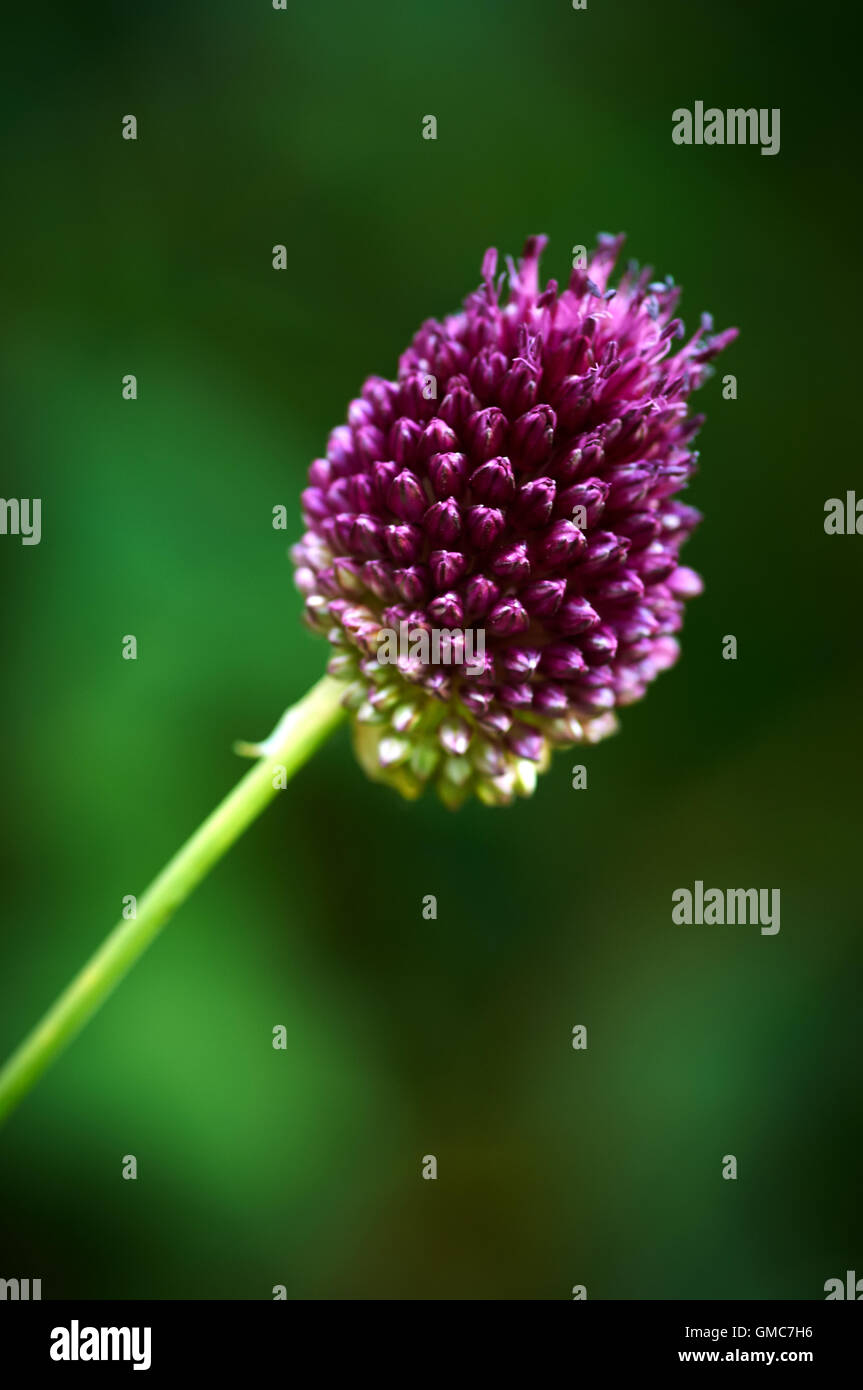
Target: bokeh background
{"x":409,"y":1037}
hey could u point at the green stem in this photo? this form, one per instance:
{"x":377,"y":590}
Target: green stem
{"x":302,"y":729}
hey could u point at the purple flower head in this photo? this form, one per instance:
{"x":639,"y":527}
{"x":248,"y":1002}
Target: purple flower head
{"x":493,"y":538}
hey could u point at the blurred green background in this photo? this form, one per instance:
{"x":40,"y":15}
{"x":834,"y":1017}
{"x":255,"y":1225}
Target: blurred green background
{"x":408,"y":1037}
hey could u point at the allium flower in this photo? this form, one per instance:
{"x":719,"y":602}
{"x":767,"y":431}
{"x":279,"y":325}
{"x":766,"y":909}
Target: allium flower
{"x":520,"y":478}
{"x":516,"y":484}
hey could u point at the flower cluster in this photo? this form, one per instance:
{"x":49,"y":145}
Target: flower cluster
{"x":520,"y":478}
